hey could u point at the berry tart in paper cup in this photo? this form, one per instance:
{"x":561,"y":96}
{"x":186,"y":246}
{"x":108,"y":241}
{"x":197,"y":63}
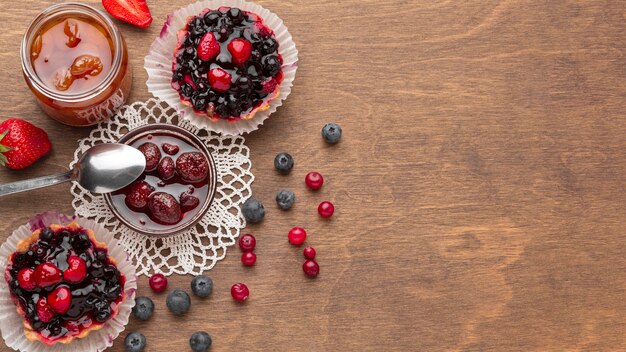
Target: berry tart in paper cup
{"x":67,"y":286}
{"x":224,"y":65}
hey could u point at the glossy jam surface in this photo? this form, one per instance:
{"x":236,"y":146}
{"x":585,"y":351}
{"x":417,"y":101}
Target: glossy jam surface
{"x":226,"y":64}
{"x":93,"y":300}
{"x":172,"y":147}
{"x":72,"y":54}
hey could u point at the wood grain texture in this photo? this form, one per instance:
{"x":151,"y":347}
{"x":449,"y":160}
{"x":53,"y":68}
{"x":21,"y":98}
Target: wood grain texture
{"x":479,"y":187}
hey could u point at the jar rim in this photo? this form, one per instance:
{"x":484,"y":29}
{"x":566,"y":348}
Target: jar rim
{"x":55,"y":11}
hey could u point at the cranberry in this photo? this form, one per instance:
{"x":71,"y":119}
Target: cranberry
{"x":171,"y":149}
{"x":164,"y":208}
{"x":219,"y":79}
{"x":47,"y":274}
{"x":309,"y":252}
{"x":26,"y":279}
{"x":247,"y":242}
{"x":239,"y":292}
{"x":60,"y":300}
{"x":240,"y":50}
{"x":44,"y":312}
{"x":137,"y":198}
{"x":188,"y":202}
{"x":192,"y":167}
{"x":158,"y":282}
{"x":166,"y":168}
{"x":326,"y":209}
{"x":248,"y":258}
{"x":314,"y":180}
{"x":153,"y":155}
{"x":208,"y":48}
{"x":77,"y":270}
{"x":311,"y":268}
{"x":297,"y":236}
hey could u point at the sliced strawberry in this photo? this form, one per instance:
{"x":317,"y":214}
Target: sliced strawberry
{"x":77,"y":270}
{"x":135,"y":12}
{"x":219,"y":79}
{"x":240,"y":50}
{"x":208,"y":48}
{"x":47,"y":274}
{"x":44,"y":312}
{"x":60,"y":300}
{"x":26,"y":279}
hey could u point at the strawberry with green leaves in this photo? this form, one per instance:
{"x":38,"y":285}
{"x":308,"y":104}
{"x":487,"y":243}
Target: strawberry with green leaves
{"x":21,"y":143}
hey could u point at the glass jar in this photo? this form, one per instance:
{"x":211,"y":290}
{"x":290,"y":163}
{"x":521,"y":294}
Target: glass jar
{"x":96,"y":103}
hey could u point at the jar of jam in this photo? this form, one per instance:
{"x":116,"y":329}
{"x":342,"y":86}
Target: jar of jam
{"x":75,"y":62}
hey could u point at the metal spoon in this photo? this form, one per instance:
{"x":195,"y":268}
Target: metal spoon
{"x":103,"y":168}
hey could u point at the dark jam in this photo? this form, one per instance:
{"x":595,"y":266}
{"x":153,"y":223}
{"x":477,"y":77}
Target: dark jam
{"x":135,"y":202}
{"x":93,"y":299}
{"x":247,"y":84}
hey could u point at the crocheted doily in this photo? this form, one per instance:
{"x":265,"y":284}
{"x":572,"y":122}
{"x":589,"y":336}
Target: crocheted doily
{"x":200,"y":247}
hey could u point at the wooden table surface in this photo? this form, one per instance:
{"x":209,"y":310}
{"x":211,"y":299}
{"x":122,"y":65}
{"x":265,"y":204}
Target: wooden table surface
{"x":479,"y":186}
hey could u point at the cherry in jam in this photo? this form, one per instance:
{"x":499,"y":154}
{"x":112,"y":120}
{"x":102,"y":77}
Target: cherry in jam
{"x":171,"y":192}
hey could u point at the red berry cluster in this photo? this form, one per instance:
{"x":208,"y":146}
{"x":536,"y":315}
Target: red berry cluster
{"x":247,"y":243}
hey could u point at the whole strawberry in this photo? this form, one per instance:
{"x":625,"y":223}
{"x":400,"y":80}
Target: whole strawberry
{"x":21,"y":143}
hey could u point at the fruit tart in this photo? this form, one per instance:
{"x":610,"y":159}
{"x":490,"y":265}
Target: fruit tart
{"x":64,"y":283}
{"x":226,"y":64}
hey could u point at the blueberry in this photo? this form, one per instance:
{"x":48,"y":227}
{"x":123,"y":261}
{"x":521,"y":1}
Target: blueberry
{"x":269,"y":46}
{"x":200,"y":341}
{"x":285,"y":199}
{"x":235,"y":15}
{"x":271,"y":65}
{"x":46,"y":235}
{"x":202,"y":286}
{"x":102,"y":311}
{"x":178,"y":302}
{"x":283,"y":162}
{"x":211,"y":17}
{"x":143,"y":309}
{"x":331,"y":133}
{"x":253,"y":210}
{"x":80,"y":242}
{"x":135,"y":342}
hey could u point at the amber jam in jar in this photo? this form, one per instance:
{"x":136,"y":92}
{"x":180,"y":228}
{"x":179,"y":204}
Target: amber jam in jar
{"x":75,"y":61}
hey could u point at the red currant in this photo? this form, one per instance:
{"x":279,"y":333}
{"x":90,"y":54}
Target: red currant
{"x":248,"y":258}
{"x":239,"y":292}
{"x":309,"y":252}
{"x":158,"y":282}
{"x":297,"y":236}
{"x":314,"y":180}
{"x":326,"y":209}
{"x":26,"y":279}
{"x":311,"y":268}
{"x":247,"y":242}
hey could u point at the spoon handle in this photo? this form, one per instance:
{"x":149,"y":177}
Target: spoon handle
{"x":35,"y":183}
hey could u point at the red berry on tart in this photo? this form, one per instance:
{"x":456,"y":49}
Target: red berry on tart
{"x":226,"y":64}
{"x":63,"y":283}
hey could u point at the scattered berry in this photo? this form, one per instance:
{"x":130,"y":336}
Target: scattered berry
{"x":47,"y":274}
{"x":21,"y":143}
{"x":158,"y":283}
{"x":76,"y":271}
{"x":60,"y":300}
{"x":192,"y":167}
{"x":135,"y":342}
{"x":283,"y":162}
{"x":297,"y":236}
{"x":166,"y":168}
{"x":240,"y":50}
{"x":143,"y":309}
{"x":248,"y":258}
{"x":311,"y":268}
{"x":331,"y":132}
{"x":309,"y":252}
{"x":152,"y":154}
{"x":219,"y":79}
{"x":247,"y":242}
{"x":188,"y":202}
{"x":200,"y":341}
{"x":170,"y":149}
{"x":285,"y":199}
{"x":44,"y":312}
{"x":202,"y":286}
{"x":253,"y":210}
{"x":208,"y":48}
{"x":239,"y":292}
{"x":26,"y":279}
{"x":164,"y":208}
{"x":326,"y":209}
{"x":314,"y":180}
{"x":178,"y":302}
{"x":137,"y":197}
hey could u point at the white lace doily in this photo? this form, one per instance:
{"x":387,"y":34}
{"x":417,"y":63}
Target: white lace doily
{"x":200,"y":247}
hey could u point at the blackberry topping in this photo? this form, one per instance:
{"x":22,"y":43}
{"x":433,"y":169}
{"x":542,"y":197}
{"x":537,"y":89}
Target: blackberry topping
{"x":242,"y":48}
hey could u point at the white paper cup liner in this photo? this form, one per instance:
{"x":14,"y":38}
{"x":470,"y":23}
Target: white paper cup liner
{"x":11,"y":323}
{"x":158,"y":63}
